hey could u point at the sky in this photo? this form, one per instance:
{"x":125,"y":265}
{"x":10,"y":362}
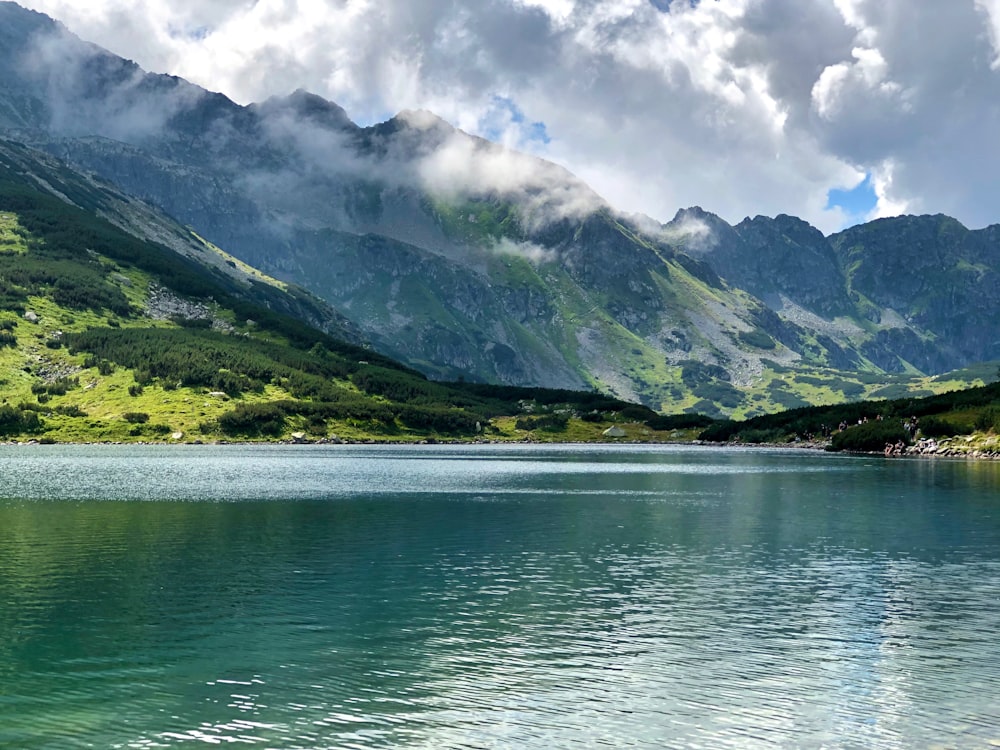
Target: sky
{"x":837,"y":111}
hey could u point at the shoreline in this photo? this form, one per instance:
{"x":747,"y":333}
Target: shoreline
{"x":943,"y":450}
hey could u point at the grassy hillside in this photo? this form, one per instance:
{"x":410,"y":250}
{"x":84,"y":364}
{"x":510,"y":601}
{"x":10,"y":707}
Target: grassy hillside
{"x":960,"y":422}
{"x":106,"y":337}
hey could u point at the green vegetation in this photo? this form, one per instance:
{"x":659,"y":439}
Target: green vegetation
{"x":679,"y":422}
{"x":18,"y":421}
{"x":545,"y":422}
{"x":83,"y":361}
{"x":324,"y":390}
{"x":869,"y":425}
{"x":870,"y":436}
{"x":757,"y":339}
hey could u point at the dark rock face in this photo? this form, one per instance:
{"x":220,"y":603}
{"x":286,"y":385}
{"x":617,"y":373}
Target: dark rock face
{"x":925,"y":288}
{"x":787,"y":256}
{"x":603,"y":257}
{"x":770,"y":258}
{"x":938,"y":276}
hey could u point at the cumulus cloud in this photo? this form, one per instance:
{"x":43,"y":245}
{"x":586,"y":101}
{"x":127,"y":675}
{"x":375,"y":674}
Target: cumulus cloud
{"x":866,"y":75}
{"x":744,"y":107}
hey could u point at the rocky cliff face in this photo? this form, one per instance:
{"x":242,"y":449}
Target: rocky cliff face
{"x":933,"y":277}
{"x":777,"y":259}
{"x":465,"y":259}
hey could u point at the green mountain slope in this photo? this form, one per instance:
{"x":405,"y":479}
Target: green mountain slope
{"x":963,"y":423}
{"x":108,"y":337}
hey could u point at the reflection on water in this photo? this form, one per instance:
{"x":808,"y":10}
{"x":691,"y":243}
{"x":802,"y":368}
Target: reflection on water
{"x":496,"y":597}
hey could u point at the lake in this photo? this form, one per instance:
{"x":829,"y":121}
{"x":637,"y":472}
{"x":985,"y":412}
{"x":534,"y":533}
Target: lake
{"x":496,"y":597}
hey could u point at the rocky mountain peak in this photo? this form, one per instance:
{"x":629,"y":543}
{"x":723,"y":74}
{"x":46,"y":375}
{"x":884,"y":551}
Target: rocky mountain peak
{"x":306,"y":106}
{"x":693,"y":212}
{"x":17,"y":23}
{"x":421,"y":119}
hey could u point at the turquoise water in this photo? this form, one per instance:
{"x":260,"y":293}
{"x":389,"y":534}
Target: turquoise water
{"x":495,"y":597}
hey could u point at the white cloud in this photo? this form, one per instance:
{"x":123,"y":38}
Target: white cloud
{"x":688,"y":230}
{"x":991,"y":9}
{"x":882,"y":183}
{"x":531,"y":252}
{"x":867,"y":74}
{"x":460,"y":165}
{"x":744,"y":107}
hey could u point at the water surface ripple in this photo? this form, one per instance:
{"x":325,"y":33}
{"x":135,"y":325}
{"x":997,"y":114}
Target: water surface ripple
{"x":495,"y":597}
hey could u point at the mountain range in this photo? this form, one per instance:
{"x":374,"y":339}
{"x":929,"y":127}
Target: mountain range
{"x":464,"y":259}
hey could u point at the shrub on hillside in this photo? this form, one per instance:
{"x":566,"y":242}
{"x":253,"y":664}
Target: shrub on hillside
{"x":440,"y":419}
{"x":396,"y":386}
{"x":183,"y":322}
{"x":103,"y":366}
{"x":545,"y":423}
{"x":757,"y":339}
{"x":59,"y":387}
{"x":763,"y":437}
{"x":16,"y":421}
{"x":251,"y":420}
{"x":678,"y":421}
{"x":988,"y":420}
{"x":70,"y":411}
{"x":938,"y":427}
{"x":870,"y":436}
{"x":636,"y":413}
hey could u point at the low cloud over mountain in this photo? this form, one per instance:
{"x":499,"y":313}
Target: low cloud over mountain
{"x":747,"y":106}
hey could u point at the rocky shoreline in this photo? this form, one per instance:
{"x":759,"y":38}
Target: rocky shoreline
{"x":986,"y":448}
{"x":968,"y":447}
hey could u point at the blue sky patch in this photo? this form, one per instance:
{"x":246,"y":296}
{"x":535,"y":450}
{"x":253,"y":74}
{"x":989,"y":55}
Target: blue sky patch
{"x":664,"y":5}
{"x":197,"y":34}
{"x":531,"y":131}
{"x":856,"y":203}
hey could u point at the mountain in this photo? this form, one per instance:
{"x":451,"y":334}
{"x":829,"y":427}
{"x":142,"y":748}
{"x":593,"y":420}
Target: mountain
{"x":931,"y":284}
{"x":464,"y":259}
{"x":33,"y":170}
{"x":117,"y":324}
{"x":911,"y":293}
